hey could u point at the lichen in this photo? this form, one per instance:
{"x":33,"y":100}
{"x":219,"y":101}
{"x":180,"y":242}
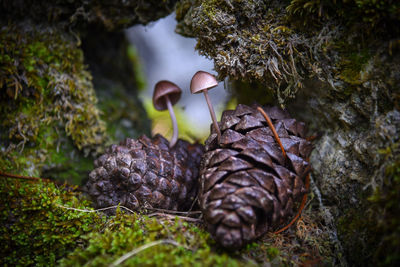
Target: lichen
{"x":339,"y":58}
{"x":350,"y":168}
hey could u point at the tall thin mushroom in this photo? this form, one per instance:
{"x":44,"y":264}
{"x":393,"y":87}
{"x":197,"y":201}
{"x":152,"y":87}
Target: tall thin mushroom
{"x":165,"y":95}
{"x":201,"y":82}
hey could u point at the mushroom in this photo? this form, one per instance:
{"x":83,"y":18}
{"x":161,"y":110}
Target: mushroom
{"x":165,"y":95}
{"x":201,"y":82}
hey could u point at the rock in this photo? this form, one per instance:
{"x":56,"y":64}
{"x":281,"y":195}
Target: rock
{"x":344,"y":73}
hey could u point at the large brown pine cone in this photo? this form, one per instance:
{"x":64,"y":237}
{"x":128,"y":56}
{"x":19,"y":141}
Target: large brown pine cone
{"x":146,"y":173}
{"x":247,"y":186}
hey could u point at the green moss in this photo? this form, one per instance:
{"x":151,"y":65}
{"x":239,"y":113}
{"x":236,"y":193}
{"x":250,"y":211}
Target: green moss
{"x":345,"y":54}
{"x":44,"y":224}
{"x":46,"y":100}
{"x":192,"y":245}
{"x":352,"y":68}
{"x":35,"y":229}
{"x":129,"y":232}
{"x":112,"y":15}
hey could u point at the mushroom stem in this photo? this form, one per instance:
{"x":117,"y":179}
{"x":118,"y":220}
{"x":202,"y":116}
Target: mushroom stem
{"x":212,"y":113}
{"x":173,"y":120}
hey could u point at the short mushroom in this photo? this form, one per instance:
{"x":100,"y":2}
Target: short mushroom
{"x":165,"y":95}
{"x":201,"y":82}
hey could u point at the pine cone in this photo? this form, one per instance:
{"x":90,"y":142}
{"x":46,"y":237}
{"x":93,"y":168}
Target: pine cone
{"x":146,"y":173}
{"x":247,"y":186}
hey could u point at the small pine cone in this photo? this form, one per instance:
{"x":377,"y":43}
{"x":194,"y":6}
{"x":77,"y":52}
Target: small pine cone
{"x":146,"y":173}
{"x":247,"y":187}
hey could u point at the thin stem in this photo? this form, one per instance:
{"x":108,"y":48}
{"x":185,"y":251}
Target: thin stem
{"x":304,"y":200}
{"x":272,"y":127}
{"x":22,"y":177}
{"x":175,"y":211}
{"x":303,"y":203}
{"x":189,"y":219}
{"x":102,"y":209}
{"x":212,"y":113}
{"x":173,"y":120}
{"x":15,"y":176}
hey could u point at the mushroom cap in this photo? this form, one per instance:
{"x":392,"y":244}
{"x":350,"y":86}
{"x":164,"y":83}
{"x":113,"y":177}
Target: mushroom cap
{"x":201,"y":81}
{"x":163,"y":88}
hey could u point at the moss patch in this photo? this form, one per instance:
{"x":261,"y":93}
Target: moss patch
{"x":191,"y":245}
{"x":46,"y":99}
{"x":43,"y":224}
{"x":35,"y":230}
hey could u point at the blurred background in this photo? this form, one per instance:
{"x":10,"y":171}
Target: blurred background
{"x":165,"y":55}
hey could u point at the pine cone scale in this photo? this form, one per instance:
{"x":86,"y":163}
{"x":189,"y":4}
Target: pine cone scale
{"x":213,"y":177}
{"x":241,"y":178}
{"x":230,"y":136}
{"x":234,"y":164}
{"x":258,"y":155}
{"x":231,"y":219}
{"x":264,"y":179}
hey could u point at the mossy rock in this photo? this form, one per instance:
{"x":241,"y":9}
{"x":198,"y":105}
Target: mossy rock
{"x":251,"y":41}
{"x":282,"y":44}
{"x":335,"y":64}
{"x":53,"y":124}
{"x":47,"y":105}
